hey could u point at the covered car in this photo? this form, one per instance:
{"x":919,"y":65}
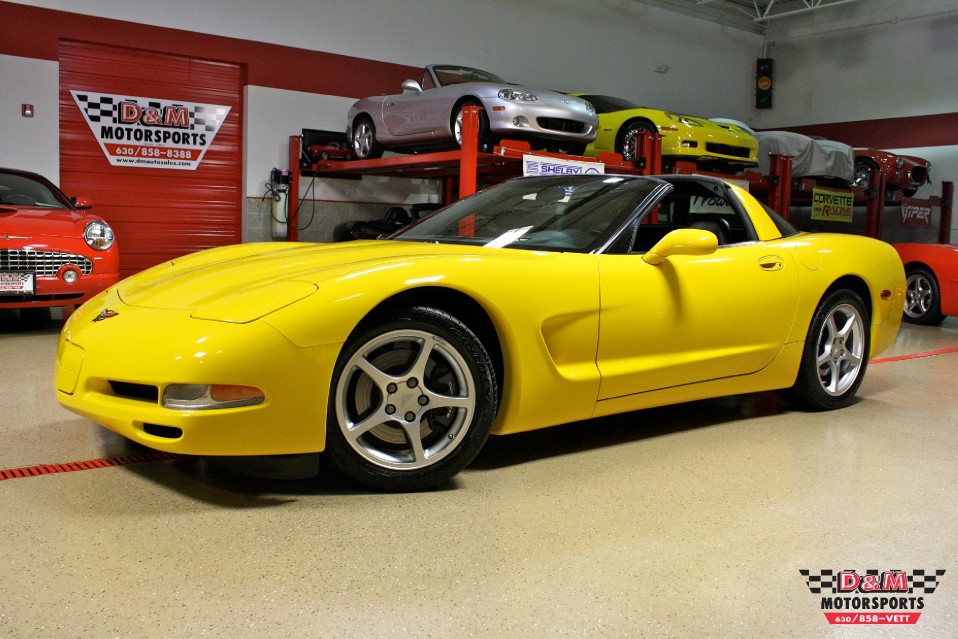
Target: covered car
{"x":828,"y":161}
{"x":539,"y":301}
{"x":53,"y":251}
{"x":428,"y":115}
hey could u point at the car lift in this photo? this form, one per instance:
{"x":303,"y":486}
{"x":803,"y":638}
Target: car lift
{"x":461,"y":172}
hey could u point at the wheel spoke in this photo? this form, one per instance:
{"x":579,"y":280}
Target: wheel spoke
{"x":414,"y":437}
{"x":437,"y":400}
{"x":380,"y":378}
{"x":355,"y":430}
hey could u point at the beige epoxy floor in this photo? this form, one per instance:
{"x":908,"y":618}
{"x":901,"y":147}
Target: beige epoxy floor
{"x":688,"y":521}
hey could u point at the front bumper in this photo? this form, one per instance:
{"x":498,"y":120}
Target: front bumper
{"x":99,"y":362}
{"x":53,"y":291}
{"x":542,"y":119}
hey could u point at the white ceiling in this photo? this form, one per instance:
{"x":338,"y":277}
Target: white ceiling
{"x":750,"y":15}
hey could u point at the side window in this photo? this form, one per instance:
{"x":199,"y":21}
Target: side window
{"x":427,"y":82}
{"x":692,"y":205}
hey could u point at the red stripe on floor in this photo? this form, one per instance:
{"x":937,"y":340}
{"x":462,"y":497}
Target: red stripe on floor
{"x":90,"y":464}
{"x":47,"y":469}
{"x":899,"y":358}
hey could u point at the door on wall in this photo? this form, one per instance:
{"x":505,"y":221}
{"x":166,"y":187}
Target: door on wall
{"x":155,"y":140}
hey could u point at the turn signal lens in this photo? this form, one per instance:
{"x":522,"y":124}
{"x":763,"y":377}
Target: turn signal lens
{"x":210,"y":396}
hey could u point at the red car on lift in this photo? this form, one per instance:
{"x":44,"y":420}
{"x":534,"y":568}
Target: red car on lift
{"x":932,"y":288}
{"x":52,"y":251}
{"x":906,"y":173}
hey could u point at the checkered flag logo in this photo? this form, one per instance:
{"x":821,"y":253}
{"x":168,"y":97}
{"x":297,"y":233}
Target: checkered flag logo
{"x":98,"y":108}
{"x":924,"y":581}
{"x":920,"y":581}
{"x":209,"y":118}
{"x":820,"y":581}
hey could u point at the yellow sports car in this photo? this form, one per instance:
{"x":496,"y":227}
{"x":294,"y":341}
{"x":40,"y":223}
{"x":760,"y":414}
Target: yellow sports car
{"x":714,"y":146}
{"x":539,"y":301}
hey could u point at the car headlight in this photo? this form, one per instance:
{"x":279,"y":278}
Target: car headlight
{"x":684,"y":119}
{"x":518,"y":96}
{"x":98,"y":235}
{"x":899,"y":162}
{"x":589,"y":107}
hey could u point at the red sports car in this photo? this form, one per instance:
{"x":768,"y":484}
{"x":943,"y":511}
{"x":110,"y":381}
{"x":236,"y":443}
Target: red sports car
{"x":330,"y":151}
{"x":906,"y":173}
{"x":932,"y":289}
{"x":52,"y":251}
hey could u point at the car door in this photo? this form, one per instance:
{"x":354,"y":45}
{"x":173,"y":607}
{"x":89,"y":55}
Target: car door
{"x":692,"y":318}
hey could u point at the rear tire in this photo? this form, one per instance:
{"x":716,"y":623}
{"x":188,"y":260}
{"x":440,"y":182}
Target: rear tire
{"x":364,"y":142}
{"x":412,"y":401}
{"x":835,"y":355}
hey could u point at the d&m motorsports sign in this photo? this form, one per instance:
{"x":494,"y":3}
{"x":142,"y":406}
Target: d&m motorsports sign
{"x":149,"y":132}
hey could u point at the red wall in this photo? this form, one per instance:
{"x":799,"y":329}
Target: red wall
{"x":31,"y":32}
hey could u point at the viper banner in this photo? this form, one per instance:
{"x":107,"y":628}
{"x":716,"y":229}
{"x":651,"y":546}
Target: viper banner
{"x":150,"y":132}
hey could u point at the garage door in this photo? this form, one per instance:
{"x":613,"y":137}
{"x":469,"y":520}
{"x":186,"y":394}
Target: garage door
{"x":155,"y":141}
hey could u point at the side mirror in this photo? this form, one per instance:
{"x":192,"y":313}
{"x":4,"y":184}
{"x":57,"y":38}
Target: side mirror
{"x":82,"y":203}
{"x":682,"y":242}
{"x":411,"y":85}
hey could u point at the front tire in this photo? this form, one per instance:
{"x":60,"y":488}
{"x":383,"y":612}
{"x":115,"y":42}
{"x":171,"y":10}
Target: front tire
{"x":411,"y":402}
{"x":835,"y":355}
{"x":486,"y":143}
{"x":627,"y":141}
{"x":863,"y":170}
{"x":922,"y":297}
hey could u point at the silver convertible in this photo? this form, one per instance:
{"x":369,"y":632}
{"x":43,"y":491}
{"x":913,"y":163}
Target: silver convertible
{"x":429,"y":115}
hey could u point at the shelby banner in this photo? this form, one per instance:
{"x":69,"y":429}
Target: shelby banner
{"x":535,"y":165}
{"x":872,"y":596}
{"x":148,"y":132}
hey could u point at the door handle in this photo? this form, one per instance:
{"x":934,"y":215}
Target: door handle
{"x":771,"y":263}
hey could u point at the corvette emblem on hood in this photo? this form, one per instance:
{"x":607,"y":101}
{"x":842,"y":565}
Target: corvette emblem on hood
{"x":105,"y":314}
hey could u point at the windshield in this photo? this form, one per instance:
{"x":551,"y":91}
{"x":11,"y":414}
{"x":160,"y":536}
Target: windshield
{"x":555,"y":213}
{"x":23,"y":190}
{"x":606,"y":104}
{"x":450,"y":74}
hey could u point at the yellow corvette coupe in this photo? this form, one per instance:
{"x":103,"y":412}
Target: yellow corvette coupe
{"x":539,"y":301}
{"x":714,"y":146}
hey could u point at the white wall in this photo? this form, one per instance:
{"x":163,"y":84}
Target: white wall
{"x":32,"y":144}
{"x":603,"y":46}
{"x":849,"y":62}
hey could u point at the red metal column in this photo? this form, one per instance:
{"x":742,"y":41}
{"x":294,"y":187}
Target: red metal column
{"x":780,"y":193}
{"x":292,"y":195}
{"x":944,"y":224}
{"x":876,"y":204}
{"x":469,"y":160}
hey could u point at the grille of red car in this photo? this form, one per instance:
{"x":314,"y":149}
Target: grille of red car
{"x":725,"y":149}
{"x":919,"y":174}
{"x":561,"y":124}
{"x":43,"y":263}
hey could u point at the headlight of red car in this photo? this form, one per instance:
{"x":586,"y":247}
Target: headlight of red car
{"x":98,"y":235}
